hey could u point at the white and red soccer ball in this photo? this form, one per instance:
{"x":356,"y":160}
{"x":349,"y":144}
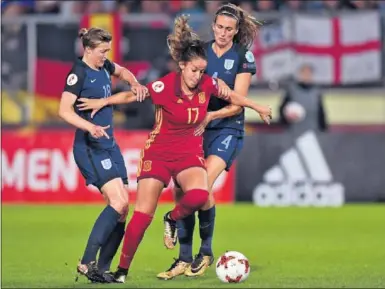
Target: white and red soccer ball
{"x":232,"y":267}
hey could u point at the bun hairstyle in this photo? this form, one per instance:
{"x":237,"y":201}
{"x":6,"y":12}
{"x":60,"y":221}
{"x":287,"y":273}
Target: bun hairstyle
{"x":82,"y":32}
{"x":94,"y":36}
{"x":184,"y":44}
{"x":248,"y":26}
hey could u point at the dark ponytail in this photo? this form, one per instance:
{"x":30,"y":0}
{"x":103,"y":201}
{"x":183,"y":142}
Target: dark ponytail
{"x":184,"y":44}
{"x":248,"y":26}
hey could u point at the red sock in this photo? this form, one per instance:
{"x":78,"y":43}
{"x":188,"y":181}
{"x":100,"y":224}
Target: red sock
{"x":134,"y":233}
{"x":192,"y":201}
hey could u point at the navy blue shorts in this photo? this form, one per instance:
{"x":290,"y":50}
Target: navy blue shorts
{"x":99,"y":166}
{"x":225,"y":145}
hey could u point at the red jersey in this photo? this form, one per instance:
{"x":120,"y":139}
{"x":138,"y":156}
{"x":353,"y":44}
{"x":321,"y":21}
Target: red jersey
{"x":177,"y":116}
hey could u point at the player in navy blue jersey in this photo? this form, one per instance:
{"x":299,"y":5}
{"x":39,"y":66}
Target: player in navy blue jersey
{"x":230,"y":61}
{"x":96,"y":153}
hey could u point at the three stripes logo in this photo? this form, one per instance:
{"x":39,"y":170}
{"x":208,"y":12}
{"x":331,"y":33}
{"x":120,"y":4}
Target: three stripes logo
{"x":301,"y":178}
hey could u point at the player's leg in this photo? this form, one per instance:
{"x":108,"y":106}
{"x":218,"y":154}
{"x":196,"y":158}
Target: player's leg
{"x":185,"y":230}
{"x":105,"y":176}
{"x":83,"y":157}
{"x":194,"y":184}
{"x":222,"y":153}
{"x":153,"y":176}
{"x":110,"y":247}
{"x":117,"y":202}
{"x":148,"y":194}
{"x":193,"y":181}
{"x":185,"y":226}
{"x":206,"y":216}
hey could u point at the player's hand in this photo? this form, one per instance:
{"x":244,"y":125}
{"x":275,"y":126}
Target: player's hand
{"x":201,"y":128}
{"x":224,"y":90}
{"x":140,"y":91}
{"x":265,"y":113}
{"x":99,"y":131}
{"x":94,"y":104}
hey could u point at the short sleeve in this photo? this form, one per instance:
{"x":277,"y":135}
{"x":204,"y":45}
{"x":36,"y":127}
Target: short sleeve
{"x":156,"y":90}
{"x":109,"y":66}
{"x":211,"y":85}
{"x":75,"y":80}
{"x":247,"y":62}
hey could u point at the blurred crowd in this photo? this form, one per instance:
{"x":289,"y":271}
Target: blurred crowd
{"x":18,"y":7}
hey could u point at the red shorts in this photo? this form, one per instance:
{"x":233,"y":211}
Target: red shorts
{"x":164,"y":171}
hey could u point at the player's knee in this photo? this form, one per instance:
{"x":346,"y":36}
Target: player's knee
{"x":178,"y":194}
{"x":196,"y":198}
{"x":121,"y":206}
{"x":123,"y":216}
{"x":147,"y":208}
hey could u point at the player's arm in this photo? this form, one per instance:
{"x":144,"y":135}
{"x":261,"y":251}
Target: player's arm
{"x":72,"y":89}
{"x":240,"y":100}
{"x":242,"y":84}
{"x":95,"y":105}
{"x":126,"y":75}
{"x":67,"y":113}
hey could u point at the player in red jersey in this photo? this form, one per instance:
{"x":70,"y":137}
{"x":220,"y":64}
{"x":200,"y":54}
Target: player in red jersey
{"x":173,"y":150}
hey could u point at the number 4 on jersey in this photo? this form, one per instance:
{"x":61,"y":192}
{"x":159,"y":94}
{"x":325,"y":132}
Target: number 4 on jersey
{"x":227,"y":141}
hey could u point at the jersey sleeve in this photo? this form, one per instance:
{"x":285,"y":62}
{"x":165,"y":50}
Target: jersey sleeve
{"x":156,"y":91}
{"x":109,"y":66}
{"x":211,"y":85}
{"x":247,"y":62}
{"x":75,"y":80}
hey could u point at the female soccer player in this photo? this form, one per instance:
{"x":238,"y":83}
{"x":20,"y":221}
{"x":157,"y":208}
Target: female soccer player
{"x":95,"y":151}
{"x":230,"y":60}
{"x":173,"y":150}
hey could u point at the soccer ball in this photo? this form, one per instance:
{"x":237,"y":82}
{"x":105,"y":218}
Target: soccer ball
{"x":295,"y":110}
{"x":232,"y":267}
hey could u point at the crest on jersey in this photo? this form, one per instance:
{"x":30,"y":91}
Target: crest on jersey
{"x":229,"y":63}
{"x":158,"y":86}
{"x":106,"y":164}
{"x":147,"y":166}
{"x":72,"y":79}
{"x":249,"y":56}
{"x":202,"y":97}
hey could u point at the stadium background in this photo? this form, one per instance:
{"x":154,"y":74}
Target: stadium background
{"x":344,"y":167}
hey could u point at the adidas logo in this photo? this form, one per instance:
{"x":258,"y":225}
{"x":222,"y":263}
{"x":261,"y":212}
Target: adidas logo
{"x":179,"y":100}
{"x":301,"y":178}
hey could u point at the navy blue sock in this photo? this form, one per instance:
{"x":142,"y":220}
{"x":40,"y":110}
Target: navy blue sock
{"x":110,"y":247}
{"x":206,"y":230}
{"x":101,"y":231}
{"x":185,"y":235}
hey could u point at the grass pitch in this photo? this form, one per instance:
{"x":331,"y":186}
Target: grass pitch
{"x":286,"y":247}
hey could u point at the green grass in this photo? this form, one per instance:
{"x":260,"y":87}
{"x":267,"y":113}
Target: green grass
{"x":287,"y":247}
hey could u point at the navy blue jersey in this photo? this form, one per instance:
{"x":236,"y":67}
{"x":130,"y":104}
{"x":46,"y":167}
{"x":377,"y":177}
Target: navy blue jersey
{"x":83,"y":81}
{"x":235,"y":61}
